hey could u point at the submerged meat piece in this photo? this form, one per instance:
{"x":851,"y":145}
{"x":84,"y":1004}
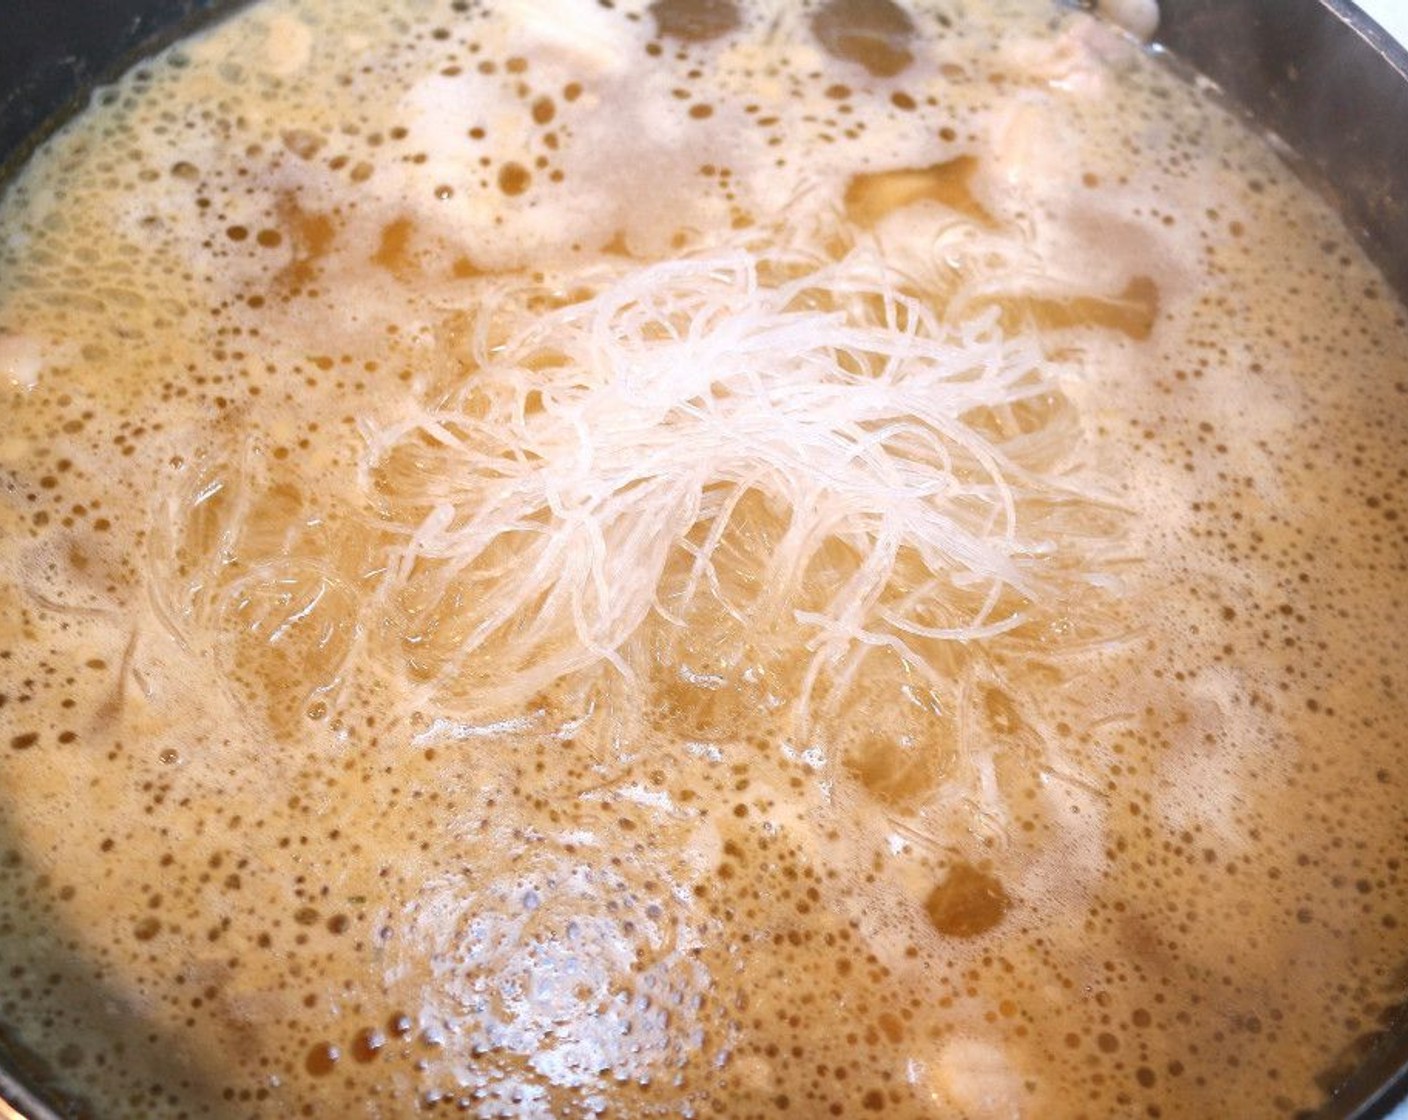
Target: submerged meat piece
{"x":968,"y":902}
{"x":870,"y":196}
{"x":1139,"y":17}
{"x":695,"y":20}
{"x":21,"y":361}
{"x":874,"y":33}
{"x":977,"y":1078}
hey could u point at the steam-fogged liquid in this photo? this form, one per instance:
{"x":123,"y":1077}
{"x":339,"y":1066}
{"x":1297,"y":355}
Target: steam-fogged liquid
{"x":253,"y":869}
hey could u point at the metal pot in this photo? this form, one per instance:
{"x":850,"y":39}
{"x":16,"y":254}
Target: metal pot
{"x":1314,"y":73}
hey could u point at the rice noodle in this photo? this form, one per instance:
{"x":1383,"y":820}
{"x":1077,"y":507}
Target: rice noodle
{"x":588,"y":472}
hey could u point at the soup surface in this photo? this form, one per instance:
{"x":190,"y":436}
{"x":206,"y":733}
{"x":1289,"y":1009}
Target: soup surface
{"x":565,"y":559}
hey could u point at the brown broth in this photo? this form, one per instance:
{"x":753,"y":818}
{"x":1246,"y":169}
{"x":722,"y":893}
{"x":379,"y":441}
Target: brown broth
{"x":1144,"y":860}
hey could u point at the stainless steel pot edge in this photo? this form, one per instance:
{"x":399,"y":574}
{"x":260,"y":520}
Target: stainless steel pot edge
{"x":1326,"y":82}
{"x":1330,"y":89}
{"x":18,"y":1103}
{"x":101,"y":42}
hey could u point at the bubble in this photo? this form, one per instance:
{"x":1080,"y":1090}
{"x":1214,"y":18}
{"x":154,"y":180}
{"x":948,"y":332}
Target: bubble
{"x":322,"y":1059}
{"x":514,"y":179}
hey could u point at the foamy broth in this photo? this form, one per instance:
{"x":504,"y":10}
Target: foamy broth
{"x":1139,"y":856}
